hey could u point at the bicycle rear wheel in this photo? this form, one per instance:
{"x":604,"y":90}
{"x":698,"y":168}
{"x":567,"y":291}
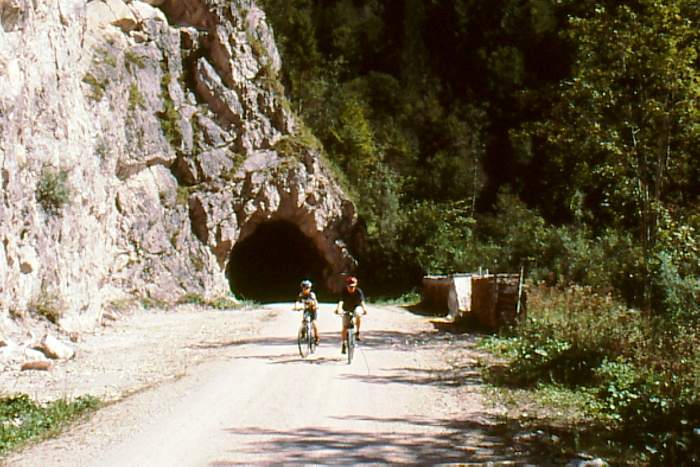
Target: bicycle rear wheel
{"x":302,"y":342}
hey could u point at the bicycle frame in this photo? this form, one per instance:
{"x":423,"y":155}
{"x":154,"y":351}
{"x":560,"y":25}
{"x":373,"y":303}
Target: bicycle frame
{"x":305,"y":338}
{"x":350,"y":334}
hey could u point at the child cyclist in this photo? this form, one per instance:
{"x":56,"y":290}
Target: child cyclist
{"x":306,"y":300}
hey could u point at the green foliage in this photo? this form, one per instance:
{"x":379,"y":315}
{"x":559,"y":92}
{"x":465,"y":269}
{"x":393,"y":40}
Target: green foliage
{"x":220,"y":303}
{"x":372,"y":129}
{"x":585,"y":132}
{"x":183,"y":194}
{"x":53,"y":191}
{"x":134,"y":59}
{"x":440,"y":235}
{"x":22,"y":419}
{"x":237,"y":160}
{"x":560,"y":136}
{"x":226,"y":303}
{"x":192,"y":299}
{"x":149,"y":303}
{"x":555,"y":348}
{"x":169,"y":117}
{"x":298,"y":144}
{"x":122,"y":304}
{"x":104,"y":56}
{"x":623,"y":127}
{"x":407,"y":298}
{"x":97,"y":86}
{"x":639,"y":375}
{"x":135,"y":97}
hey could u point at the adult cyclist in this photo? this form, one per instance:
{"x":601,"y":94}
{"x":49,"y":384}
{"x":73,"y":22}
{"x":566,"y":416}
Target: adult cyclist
{"x":306,"y":300}
{"x":351,"y":298}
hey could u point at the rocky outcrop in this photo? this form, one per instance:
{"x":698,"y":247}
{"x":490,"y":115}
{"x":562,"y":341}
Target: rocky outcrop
{"x":139,"y":141}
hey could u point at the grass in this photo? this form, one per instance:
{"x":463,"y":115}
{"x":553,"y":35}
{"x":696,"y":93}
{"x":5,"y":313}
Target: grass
{"x":106,"y":57}
{"x":183,"y":194}
{"x":225,"y":302}
{"x":23,"y":420}
{"x":136,"y":99}
{"x":149,"y":303}
{"x":408,"y":298}
{"x":237,"y":161}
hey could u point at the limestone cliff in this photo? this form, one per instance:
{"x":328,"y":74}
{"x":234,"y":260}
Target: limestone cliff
{"x":139,"y":142}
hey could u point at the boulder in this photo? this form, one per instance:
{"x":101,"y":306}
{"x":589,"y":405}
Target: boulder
{"x":42,"y":365}
{"x":56,"y":349}
{"x":114,"y":12}
{"x":143,"y":11}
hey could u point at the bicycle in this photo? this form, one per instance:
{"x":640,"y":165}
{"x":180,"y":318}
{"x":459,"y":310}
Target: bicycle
{"x":305,"y":337}
{"x":350,"y":334}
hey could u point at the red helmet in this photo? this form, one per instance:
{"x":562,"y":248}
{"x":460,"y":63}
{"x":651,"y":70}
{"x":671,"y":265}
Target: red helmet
{"x":351,"y":280}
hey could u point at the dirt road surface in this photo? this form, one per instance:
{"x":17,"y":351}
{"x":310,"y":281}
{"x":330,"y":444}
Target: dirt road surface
{"x":411,"y":396}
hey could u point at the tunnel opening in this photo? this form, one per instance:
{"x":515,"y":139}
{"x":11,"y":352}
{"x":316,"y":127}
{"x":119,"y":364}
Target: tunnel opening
{"x":269,"y":264}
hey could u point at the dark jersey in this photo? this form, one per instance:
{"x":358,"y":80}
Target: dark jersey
{"x":352,"y":300}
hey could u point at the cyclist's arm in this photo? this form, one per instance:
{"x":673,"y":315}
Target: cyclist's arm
{"x":364,"y":307}
{"x":338,"y":307}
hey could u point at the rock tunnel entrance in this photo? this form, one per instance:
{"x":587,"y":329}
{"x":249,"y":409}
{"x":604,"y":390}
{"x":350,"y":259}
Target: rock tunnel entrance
{"x":268,"y":265}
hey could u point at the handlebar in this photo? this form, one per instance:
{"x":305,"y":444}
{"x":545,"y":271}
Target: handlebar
{"x":344,"y":312}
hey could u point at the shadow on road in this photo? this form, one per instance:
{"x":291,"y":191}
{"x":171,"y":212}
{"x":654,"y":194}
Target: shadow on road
{"x":396,"y":340}
{"x":454,"y":377}
{"x":418,"y":441}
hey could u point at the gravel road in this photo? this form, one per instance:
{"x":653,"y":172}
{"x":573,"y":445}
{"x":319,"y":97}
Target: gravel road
{"x":211,"y":388}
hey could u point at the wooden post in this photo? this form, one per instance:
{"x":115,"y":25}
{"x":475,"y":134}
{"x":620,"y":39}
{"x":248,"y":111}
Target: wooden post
{"x":520,"y":290}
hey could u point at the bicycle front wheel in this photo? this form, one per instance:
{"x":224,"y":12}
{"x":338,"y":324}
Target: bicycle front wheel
{"x":351,"y":345}
{"x":302,"y":342}
{"x":311,"y":338}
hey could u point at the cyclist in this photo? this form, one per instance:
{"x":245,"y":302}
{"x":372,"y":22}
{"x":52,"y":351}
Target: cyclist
{"x":351,"y":298}
{"x":306,"y":300}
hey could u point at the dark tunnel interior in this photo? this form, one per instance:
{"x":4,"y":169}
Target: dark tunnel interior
{"x":269,"y":264}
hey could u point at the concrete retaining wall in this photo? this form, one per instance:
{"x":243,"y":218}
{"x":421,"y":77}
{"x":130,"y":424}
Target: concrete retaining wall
{"x":492,"y":300}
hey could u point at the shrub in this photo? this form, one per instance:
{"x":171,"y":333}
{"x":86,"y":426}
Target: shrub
{"x":49,"y":306}
{"x":53,"y":192}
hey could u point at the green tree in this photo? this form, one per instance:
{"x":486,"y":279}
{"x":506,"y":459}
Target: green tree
{"x":625,"y":126}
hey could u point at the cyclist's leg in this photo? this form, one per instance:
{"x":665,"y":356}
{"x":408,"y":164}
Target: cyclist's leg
{"x":357,"y":326}
{"x":344,"y":332}
{"x":315,"y":328}
{"x":313,"y":325}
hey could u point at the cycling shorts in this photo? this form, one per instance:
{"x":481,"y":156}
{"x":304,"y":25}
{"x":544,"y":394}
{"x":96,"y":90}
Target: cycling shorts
{"x":348,"y":320}
{"x":311,"y":313}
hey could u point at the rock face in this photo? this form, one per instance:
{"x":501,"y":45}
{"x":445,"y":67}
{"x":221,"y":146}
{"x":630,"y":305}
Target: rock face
{"x":139,"y":142}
